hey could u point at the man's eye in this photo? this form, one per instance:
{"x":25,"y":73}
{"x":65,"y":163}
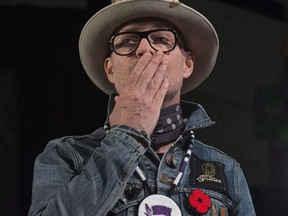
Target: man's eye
{"x":128,"y":41}
{"x":161,"y":40}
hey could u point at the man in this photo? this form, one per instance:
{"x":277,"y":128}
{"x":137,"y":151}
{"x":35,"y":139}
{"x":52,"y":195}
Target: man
{"x":145,"y":160}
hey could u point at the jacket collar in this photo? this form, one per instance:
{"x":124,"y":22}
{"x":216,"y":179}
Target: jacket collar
{"x":195,"y":116}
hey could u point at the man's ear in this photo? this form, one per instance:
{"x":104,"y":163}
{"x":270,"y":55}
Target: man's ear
{"x":109,"y":69}
{"x":189,"y":65}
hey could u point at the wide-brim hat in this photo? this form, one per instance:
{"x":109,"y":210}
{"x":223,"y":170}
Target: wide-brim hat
{"x":199,"y":35}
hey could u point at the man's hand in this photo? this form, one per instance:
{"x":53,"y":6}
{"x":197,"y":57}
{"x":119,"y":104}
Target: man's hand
{"x":139,"y":102}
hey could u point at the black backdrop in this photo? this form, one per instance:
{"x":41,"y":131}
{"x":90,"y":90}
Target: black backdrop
{"x":53,"y":96}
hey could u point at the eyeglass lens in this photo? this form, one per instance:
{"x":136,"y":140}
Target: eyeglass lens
{"x":127,"y":42}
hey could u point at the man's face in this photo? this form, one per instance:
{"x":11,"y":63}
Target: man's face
{"x":179,"y":62}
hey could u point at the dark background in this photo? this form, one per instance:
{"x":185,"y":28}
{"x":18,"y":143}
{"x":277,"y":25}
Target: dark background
{"x":45,"y":94}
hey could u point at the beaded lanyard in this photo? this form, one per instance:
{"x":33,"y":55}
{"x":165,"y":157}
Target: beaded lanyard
{"x":181,"y":169}
{"x":170,"y":204}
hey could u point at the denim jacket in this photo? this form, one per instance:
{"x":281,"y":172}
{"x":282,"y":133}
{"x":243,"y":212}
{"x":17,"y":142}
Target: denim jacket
{"x":95,"y":174}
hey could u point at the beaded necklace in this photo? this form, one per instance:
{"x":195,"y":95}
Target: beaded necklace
{"x":159,"y":204}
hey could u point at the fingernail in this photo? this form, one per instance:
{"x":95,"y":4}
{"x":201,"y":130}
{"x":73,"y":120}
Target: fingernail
{"x":148,"y":54}
{"x":164,"y":64}
{"x":159,"y":54}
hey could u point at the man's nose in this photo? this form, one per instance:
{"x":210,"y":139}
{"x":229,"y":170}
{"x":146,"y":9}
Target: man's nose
{"x":144,"y":47}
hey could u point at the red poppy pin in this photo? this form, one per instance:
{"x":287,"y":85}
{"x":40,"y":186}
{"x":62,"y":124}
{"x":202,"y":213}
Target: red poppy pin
{"x":199,"y":201}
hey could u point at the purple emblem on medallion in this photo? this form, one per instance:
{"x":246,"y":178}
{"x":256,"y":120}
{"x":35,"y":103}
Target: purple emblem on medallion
{"x":157,"y":210}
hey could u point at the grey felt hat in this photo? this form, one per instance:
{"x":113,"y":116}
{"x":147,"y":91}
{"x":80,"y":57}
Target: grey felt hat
{"x":199,"y":35}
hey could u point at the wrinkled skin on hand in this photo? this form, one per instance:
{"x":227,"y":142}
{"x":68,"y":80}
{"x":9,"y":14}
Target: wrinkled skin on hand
{"x":142,"y":94}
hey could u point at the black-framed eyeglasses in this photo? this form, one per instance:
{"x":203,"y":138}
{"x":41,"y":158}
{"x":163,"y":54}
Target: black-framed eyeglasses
{"x":126,"y":43}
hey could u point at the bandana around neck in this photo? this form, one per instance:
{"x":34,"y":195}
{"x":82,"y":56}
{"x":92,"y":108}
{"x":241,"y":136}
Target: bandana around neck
{"x":168,"y":127}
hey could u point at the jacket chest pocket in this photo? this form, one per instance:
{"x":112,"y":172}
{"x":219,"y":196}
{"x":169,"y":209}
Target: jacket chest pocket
{"x":129,"y":201}
{"x":218,"y":208}
{"x":221,"y":205}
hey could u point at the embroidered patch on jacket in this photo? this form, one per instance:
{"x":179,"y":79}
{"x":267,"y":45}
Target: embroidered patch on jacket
{"x":208,"y":174}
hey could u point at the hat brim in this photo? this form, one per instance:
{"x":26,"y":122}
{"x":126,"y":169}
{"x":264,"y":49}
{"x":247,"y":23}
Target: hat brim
{"x":199,"y":35}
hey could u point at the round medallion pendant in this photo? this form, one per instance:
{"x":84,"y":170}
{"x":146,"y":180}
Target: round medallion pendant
{"x":158,"y":205}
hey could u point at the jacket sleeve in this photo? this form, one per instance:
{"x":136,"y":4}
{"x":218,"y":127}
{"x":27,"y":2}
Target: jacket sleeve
{"x":64,"y":185}
{"x":244,"y":205}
